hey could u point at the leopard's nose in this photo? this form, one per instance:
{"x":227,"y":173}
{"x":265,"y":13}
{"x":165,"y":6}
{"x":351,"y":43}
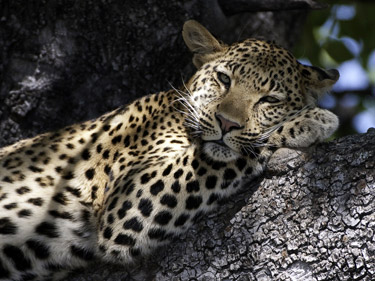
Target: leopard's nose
{"x":226,"y":125}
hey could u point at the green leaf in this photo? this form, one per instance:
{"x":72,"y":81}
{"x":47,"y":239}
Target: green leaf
{"x":337,"y":50}
{"x":360,"y":28}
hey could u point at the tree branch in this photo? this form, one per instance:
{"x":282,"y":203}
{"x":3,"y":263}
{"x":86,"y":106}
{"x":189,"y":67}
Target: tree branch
{"x":232,"y":7}
{"x":310,"y":217}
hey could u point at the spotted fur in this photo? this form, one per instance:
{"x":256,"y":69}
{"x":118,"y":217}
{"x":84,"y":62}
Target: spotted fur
{"x":117,"y":187}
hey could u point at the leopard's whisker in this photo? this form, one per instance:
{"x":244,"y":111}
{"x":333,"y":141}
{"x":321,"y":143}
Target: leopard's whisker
{"x":274,"y":128}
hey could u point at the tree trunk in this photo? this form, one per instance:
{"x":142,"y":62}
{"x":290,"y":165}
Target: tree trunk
{"x":310,"y":217}
{"x":64,"y":61}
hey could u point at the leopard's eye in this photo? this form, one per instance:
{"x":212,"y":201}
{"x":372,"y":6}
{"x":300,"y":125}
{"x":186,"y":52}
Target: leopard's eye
{"x":223,"y":78}
{"x":269,"y":99}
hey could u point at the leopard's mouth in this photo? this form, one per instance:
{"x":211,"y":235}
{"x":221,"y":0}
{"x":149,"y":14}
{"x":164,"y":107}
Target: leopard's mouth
{"x":220,"y":142}
{"x":219,"y":150}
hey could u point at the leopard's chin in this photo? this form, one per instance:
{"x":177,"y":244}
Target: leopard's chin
{"x":218,"y":151}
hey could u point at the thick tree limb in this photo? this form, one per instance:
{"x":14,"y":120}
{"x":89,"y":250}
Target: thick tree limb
{"x":232,"y":7}
{"x":311,"y":217}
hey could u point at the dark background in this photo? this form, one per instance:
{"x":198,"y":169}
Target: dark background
{"x":67,"y":61}
{"x":63,"y":61}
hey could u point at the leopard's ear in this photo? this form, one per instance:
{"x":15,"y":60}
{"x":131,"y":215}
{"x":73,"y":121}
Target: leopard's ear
{"x":201,"y":43}
{"x":318,"y":81}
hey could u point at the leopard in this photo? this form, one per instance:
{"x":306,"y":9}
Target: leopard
{"x":116,"y":187}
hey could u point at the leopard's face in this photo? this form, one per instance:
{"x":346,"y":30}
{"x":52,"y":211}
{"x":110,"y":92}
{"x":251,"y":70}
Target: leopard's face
{"x":242,"y":94}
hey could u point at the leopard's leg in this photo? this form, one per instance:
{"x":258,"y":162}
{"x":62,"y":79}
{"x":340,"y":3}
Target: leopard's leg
{"x":312,"y":125}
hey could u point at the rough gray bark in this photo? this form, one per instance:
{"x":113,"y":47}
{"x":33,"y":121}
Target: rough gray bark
{"x":311,"y":217}
{"x":65,"y":61}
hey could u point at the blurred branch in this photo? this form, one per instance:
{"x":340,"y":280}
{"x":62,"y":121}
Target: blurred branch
{"x":370,"y":91}
{"x":231,"y":7}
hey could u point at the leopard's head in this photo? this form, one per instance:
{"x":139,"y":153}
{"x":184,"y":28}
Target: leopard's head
{"x":244,"y":92}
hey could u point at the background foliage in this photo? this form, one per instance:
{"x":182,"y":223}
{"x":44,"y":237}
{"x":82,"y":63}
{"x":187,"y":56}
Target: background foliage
{"x":342,"y":37}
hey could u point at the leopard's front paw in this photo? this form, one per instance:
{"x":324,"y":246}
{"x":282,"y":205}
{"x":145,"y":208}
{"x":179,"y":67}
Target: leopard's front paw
{"x":310,"y":127}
